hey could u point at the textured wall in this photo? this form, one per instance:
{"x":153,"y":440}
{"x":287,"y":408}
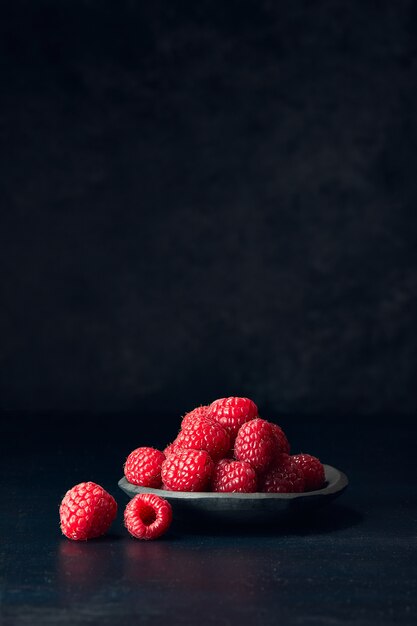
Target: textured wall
{"x":201,"y":200}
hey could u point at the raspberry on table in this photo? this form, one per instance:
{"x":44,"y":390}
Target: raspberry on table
{"x":232,"y":412}
{"x":204,"y":434}
{"x":312,"y":470}
{"x":191,"y":416}
{"x":187,"y":470}
{"x":86,"y":511}
{"x":143,"y":467}
{"x":233,"y":477}
{"x":147,"y":516}
{"x":256,"y":444}
{"x":283,"y":477}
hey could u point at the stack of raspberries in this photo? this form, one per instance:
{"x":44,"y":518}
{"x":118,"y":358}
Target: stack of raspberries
{"x":226,"y":447}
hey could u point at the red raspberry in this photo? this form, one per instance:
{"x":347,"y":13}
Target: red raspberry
{"x":283,"y":477}
{"x":232,"y":412}
{"x":143,"y":467}
{"x":256,"y":444}
{"x":281,"y":439}
{"x":170,"y":449}
{"x":86,"y":511}
{"x":204,"y":434}
{"x":148,"y":516}
{"x":312,"y":469}
{"x":187,"y":470}
{"x":189,"y":418}
{"x":233,"y":476}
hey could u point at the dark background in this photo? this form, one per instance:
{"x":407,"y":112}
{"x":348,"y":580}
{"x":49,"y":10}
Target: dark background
{"x":203,"y":199}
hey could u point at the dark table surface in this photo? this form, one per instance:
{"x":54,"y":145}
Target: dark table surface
{"x":353,"y":562}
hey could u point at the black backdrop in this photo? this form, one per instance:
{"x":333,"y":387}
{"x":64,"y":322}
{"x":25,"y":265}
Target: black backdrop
{"x":202,"y":199}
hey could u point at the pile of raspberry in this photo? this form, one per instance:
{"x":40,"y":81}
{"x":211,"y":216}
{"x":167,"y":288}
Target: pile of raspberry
{"x":226,"y":447}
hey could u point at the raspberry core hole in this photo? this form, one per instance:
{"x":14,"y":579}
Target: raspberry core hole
{"x":147,"y":515}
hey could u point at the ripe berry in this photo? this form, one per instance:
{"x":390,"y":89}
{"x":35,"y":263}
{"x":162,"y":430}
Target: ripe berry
{"x":256,"y":444}
{"x":143,"y":467}
{"x":312,"y":470}
{"x":233,"y":476}
{"x":148,"y":516}
{"x":187,"y":470}
{"x":232,"y":412}
{"x":170,"y":449}
{"x":204,"y":434}
{"x":283,"y":446}
{"x":283,"y":477}
{"x":189,"y":418}
{"x":86,"y":511}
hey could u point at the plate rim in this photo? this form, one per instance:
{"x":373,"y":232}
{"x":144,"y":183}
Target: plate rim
{"x":337,"y":485}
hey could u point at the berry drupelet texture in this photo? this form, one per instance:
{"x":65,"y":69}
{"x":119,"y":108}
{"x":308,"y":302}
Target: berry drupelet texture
{"x":143,"y":467}
{"x":232,"y":412}
{"x":148,"y":516}
{"x":86,"y":511}
{"x":187,"y":470}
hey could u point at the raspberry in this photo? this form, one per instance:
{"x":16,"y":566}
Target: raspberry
{"x":256,"y":444}
{"x":143,"y":467}
{"x":312,"y":470}
{"x":232,"y":412}
{"x":233,"y":476}
{"x":86,"y":511}
{"x":148,"y":516}
{"x":204,"y":434}
{"x":187,"y":470}
{"x":170,"y":449}
{"x":189,"y":418}
{"x":283,"y":477}
{"x":281,"y":439}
